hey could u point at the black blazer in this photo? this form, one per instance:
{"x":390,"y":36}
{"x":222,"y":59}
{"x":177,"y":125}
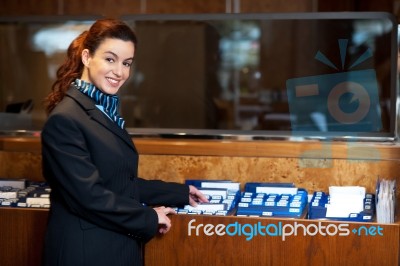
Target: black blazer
{"x":97,"y":214}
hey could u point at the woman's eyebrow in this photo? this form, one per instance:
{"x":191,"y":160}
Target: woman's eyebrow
{"x":114,"y":54}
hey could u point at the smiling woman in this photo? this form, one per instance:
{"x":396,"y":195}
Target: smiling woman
{"x":104,"y":64}
{"x":109,"y":66}
{"x":101,"y":212}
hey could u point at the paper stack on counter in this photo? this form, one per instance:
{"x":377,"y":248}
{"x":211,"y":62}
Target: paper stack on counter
{"x":385,"y":201}
{"x":345,"y":200}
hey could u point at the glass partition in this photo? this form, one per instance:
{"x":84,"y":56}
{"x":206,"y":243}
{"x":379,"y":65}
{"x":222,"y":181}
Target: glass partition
{"x":251,"y":76}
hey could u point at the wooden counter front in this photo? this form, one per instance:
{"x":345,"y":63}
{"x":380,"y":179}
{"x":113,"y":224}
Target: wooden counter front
{"x":178,"y":248}
{"x":22,"y":236}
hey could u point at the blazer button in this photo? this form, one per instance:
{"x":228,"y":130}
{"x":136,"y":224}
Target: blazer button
{"x":131,"y":177}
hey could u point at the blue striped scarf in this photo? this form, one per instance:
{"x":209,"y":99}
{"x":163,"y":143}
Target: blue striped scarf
{"x":108,"y":101}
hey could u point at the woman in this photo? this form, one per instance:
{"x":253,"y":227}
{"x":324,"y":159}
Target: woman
{"x":97,"y":214}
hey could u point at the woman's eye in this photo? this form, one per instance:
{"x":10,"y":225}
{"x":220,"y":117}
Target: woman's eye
{"x":110,"y":60}
{"x":127,"y":64}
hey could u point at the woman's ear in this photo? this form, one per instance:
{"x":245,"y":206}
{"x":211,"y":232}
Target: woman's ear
{"x":85,"y":57}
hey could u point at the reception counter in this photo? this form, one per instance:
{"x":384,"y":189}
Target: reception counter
{"x":311,"y":165}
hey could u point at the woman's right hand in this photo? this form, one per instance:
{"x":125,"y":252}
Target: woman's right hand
{"x":164,"y":223}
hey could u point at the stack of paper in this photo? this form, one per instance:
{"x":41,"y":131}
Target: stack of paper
{"x":345,"y":200}
{"x":271,"y":188}
{"x":385,"y":201}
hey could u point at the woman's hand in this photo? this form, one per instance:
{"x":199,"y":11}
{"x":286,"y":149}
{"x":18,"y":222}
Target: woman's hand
{"x":196,"y":196}
{"x":164,"y":223}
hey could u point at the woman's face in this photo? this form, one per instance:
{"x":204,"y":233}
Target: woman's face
{"x":109,"y":67}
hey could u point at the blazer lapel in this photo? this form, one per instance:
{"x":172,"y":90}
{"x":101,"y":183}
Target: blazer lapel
{"x":89,"y":106}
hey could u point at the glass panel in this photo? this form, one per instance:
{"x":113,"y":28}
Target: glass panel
{"x":31,"y":52}
{"x":263,"y":75}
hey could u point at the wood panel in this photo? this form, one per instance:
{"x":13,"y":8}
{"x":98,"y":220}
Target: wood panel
{"x":184,"y":6}
{"x":371,"y":244}
{"x":311,"y":165}
{"x":104,"y":8}
{"x":360,"y":248}
{"x":115,"y":8}
{"x":108,"y":8}
{"x":252,"y":148}
{"x":251,"y":6}
{"x":22,"y":236}
{"x":312,"y":174}
{"x":25,"y":165}
{"x":29,"y":7}
{"x":356,"y":5}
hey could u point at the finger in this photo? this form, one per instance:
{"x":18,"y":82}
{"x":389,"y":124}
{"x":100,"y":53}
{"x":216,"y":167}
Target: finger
{"x":169,"y":211}
{"x":165,"y":225}
{"x":196,"y":199}
{"x":202,"y":197}
{"x":163,"y":230}
{"x":192,"y":202}
{"x":167,"y":228}
{"x":196,"y":194}
{"x":165,"y":220}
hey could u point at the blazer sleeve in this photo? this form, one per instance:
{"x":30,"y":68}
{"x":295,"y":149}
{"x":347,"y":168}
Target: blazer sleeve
{"x":75,"y":180}
{"x":157,"y":192}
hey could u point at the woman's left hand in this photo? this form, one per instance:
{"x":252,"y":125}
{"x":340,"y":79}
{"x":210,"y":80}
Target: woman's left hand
{"x":196,"y":196}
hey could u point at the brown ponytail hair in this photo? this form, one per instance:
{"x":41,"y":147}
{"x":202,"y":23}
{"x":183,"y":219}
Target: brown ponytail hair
{"x":72,"y":68}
